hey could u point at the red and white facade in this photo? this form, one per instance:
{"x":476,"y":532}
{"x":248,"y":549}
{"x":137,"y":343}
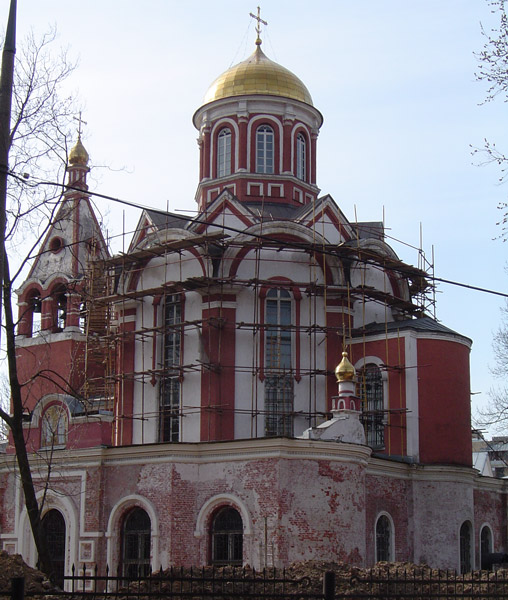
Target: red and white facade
{"x":218,"y":436}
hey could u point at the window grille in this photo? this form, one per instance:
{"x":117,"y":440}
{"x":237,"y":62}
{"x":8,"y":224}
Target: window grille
{"x":227,"y":537}
{"x":370,"y":391}
{"x":170,"y":385}
{"x":279,"y":393}
{"x":136,"y":542}
{"x":383,"y":539}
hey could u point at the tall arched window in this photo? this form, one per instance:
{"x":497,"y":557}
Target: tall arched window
{"x":224,"y":153}
{"x":384,"y":541}
{"x":370,"y":391}
{"x":53,"y":528}
{"x":279,"y":379}
{"x":264,"y":149}
{"x":227,"y":537}
{"x":170,"y":385}
{"x":301,"y":156}
{"x":136,"y":544}
{"x":466,"y":563}
{"x":486,"y":547}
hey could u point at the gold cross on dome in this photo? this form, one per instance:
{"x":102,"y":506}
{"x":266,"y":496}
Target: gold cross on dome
{"x":258,"y":26}
{"x":81,"y":122}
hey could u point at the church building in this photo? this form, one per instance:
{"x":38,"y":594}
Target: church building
{"x":260,"y":384}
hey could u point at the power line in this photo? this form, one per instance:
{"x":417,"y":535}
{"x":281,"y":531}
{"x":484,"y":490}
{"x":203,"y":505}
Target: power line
{"x":288,"y":243}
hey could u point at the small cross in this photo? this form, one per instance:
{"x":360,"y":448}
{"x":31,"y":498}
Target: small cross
{"x":81,"y":122}
{"x":258,"y":26}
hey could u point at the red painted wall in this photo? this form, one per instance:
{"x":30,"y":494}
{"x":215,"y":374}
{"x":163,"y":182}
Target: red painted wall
{"x":444,"y":402}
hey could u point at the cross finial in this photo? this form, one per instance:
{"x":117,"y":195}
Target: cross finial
{"x":81,"y":122}
{"x":258,"y":26}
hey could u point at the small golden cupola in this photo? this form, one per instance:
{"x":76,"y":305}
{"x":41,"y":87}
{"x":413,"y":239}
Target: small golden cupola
{"x":78,"y":154}
{"x":345,"y":370}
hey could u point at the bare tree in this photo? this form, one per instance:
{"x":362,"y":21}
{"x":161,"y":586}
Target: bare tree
{"x":41,"y":119}
{"x":493,"y":70}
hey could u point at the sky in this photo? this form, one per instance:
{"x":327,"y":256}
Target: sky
{"x":394,"y":80}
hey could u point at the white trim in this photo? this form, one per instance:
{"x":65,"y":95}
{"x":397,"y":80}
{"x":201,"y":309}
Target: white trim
{"x":113,"y":530}
{"x":279,"y":186}
{"x":221,"y":500}
{"x":257,"y":184}
{"x":259,"y":119}
{"x":222,"y":123}
{"x":391,"y":549}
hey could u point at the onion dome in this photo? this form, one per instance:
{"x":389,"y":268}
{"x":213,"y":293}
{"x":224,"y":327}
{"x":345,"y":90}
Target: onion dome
{"x":258,"y":75}
{"x":78,"y":154}
{"x":345,"y":370}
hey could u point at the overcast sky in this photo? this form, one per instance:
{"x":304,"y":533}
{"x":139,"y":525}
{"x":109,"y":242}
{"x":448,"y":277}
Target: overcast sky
{"x":394,"y":80}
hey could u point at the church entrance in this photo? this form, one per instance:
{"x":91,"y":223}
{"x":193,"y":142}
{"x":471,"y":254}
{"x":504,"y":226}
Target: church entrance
{"x":53,"y":528}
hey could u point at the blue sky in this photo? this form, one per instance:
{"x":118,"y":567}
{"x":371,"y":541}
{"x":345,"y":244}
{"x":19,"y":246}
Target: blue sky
{"x":395,"y":83}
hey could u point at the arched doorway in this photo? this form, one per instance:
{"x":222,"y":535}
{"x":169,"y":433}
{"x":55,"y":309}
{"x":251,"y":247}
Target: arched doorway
{"x":227,"y":537}
{"x":136,"y":541}
{"x":53,"y":529}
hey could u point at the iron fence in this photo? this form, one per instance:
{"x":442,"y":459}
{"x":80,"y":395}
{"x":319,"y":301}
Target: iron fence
{"x":228,"y":583}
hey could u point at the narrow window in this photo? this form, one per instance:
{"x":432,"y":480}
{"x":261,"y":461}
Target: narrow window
{"x":170,"y":386}
{"x":224,"y":153}
{"x":227,"y":537}
{"x":384,"y":543}
{"x":465,"y":547}
{"x":301,"y":156}
{"x":370,"y":391}
{"x":53,"y":527}
{"x":136,"y":544}
{"x":54,"y":427}
{"x":264,"y":149}
{"x":279,"y":380}
{"x":35,"y":307}
{"x":485,"y":547}
{"x":60,"y":310}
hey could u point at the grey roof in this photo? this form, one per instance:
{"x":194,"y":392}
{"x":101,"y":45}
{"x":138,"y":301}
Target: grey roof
{"x":167,"y":220}
{"x":369,"y":230}
{"x":420,"y":324}
{"x":272,"y":210}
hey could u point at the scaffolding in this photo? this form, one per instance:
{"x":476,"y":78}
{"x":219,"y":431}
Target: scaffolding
{"x":107,"y":295}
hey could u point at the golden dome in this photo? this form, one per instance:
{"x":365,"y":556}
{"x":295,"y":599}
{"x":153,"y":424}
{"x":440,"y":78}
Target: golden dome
{"x":345,"y":370}
{"x":258,"y":75}
{"x":78,"y":155}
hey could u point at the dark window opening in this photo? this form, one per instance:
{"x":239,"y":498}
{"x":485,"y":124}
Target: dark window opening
{"x":53,"y":528}
{"x":136,"y":540}
{"x":370,"y":391}
{"x":227,"y":537}
{"x":383,"y":539}
{"x":465,"y":547}
{"x":35,"y":307}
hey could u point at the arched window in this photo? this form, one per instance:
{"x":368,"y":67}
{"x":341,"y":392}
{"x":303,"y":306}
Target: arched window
{"x":227,"y":537}
{"x":136,"y":542}
{"x":486,"y":547}
{"x":224,"y":153}
{"x":54,"y":426}
{"x":53,"y":528}
{"x":279,"y":379}
{"x":301,"y":156}
{"x":264,"y":149}
{"x":466,"y":563}
{"x":170,"y":385}
{"x":370,"y":391}
{"x":35,"y":309}
{"x":384,"y":541}
{"x":60,"y":308}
